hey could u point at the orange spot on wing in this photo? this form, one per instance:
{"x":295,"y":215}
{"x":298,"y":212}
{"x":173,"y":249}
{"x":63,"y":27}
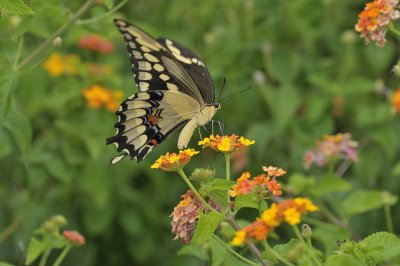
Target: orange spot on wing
{"x":153,"y":119}
{"x":153,"y":142}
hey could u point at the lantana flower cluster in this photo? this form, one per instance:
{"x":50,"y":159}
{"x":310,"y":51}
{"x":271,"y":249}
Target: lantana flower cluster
{"x":185,"y":216}
{"x":375,"y":18}
{"x":226,"y":144}
{"x":264,"y":183}
{"x":173,"y":161}
{"x":95,"y":43}
{"x":98,"y":96}
{"x":289,"y":211}
{"x":58,"y":64}
{"x":339,"y":146}
{"x":395,"y":98}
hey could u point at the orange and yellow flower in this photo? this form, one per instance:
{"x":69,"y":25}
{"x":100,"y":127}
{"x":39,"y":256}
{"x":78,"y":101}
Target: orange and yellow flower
{"x":395,"y":98}
{"x":173,"y":161}
{"x":375,"y":18}
{"x":98,"y":96}
{"x":58,"y":64}
{"x":74,"y":237}
{"x":264,"y":184}
{"x":95,"y":43}
{"x":289,"y":211}
{"x":226,"y":144}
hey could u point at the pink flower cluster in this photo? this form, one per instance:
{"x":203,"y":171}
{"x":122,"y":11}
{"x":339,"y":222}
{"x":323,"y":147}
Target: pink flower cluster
{"x":339,"y":146}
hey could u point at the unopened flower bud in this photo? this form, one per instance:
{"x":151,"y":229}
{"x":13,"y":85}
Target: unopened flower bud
{"x":306,"y":231}
{"x":57,"y":42}
{"x":15,"y":21}
{"x":49,"y":226}
{"x":202,"y":174}
{"x":59,"y":220}
{"x":396,"y":69}
{"x":348,"y":37}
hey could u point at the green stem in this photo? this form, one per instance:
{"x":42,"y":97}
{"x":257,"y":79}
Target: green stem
{"x":329,"y":215}
{"x":388,"y":218}
{"x":45,"y":256}
{"x":62,"y":255}
{"x":104,"y":15}
{"x":310,"y":251}
{"x":277,"y":255}
{"x":18,"y":53}
{"x":10,"y":230}
{"x":233,"y":252}
{"x":393,"y":29}
{"x":190,"y":185}
{"x":318,"y":223}
{"x":228,"y":166}
{"x":57,"y":33}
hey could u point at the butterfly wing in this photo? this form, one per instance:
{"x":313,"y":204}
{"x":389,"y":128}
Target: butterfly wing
{"x":169,"y":94}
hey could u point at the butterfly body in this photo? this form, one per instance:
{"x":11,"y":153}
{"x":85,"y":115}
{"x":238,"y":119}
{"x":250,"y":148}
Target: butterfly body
{"x":175,"y":89}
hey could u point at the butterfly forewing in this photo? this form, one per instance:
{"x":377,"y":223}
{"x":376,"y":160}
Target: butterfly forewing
{"x":173,"y":86}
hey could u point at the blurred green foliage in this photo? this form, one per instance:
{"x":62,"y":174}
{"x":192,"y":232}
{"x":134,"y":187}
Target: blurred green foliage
{"x":310,"y":75}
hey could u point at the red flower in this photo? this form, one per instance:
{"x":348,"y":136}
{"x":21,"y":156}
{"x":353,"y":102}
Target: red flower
{"x":74,"y":237}
{"x":95,"y":43}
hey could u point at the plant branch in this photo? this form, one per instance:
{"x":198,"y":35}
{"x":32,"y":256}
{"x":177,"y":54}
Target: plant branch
{"x":277,"y":255}
{"x":253,"y":249}
{"x":190,"y":185}
{"x":388,"y":218}
{"x":233,"y":252}
{"x":104,"y":15}
{"x":310,"y":251}
{"x":10,"y":230}
{"x":57,"y":33}
{"x":62,"y":255}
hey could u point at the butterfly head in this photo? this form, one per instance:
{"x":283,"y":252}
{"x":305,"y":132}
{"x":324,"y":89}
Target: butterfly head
{"x":217,"y":105}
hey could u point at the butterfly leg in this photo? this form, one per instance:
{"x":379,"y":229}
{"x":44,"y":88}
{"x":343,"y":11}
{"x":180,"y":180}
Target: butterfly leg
{"x":201,"y":137}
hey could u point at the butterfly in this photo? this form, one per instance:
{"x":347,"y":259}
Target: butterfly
{"x":175,"y":90}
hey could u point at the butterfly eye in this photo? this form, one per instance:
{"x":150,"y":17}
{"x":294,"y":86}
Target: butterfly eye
{"x":217,"y":105}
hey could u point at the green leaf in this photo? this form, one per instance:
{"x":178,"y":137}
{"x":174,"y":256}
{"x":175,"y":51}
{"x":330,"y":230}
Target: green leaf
{"x":245,"y":201}
{"x":362,"y":201}
{"x":285,"y":249}
{"x":35,"y":248}
{"x":286,"y":65}
{"x":299,"y":183}
{"x":231,"y":260}
{"x":381,"y":246}
{"x":8,"y":80}
{"x":108,"y":3}
{"x":17,"y":7}
{"x":330,"y":183}
{"x":18,"y":124}
{"x":396,"y":169}
{"x":343,"y":260}
{"x":193,"y":250}
{"x":218,"y":252}
{"x":220,"y":197}
{"x":205,"y":227}
{"x":222,"y":184}
{"x":5,"y":264}
{"x":357,"y":86}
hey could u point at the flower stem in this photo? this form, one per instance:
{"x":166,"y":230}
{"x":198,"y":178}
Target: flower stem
{"x":45,"y":256}
{"x":393,"y":29}
{"x":310,"y":251}
{"x":190,"y":185}
{"x":10,"y":230}
{"x":253,"y":249}
{"x":18,"y":53}
{"x":104,"y":15}
{"x":57,"y":33}
{"x":228,"y":165}
{"x":277,"y":255}
{"x":233,"y":252}
{"x":62,"y":255}
{"x":388,"y":218}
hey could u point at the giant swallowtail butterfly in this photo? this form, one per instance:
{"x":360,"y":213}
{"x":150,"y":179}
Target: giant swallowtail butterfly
{"x":175,"y":89}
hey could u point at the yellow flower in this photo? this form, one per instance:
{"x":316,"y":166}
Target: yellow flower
{"x":226,"y":144}
{"x":396,"y":101}
{"x":98,"y":96}
{"x":269,"y":216}
{"x":173,"y":161}
{"x":306,"y":204}
{"x":239,"y":238}
{"x":292,"y":216}
{"x":58,"y":64}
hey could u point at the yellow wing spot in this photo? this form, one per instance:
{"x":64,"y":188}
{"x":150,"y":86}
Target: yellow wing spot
{"x":144,"y":75}
{"x":151,"y":58}
{"x":137,"y":55}
{"x":194,"y":60}
{"x":147,"y":44}
{"x":132,"y":45}
{"x":121,"y":23}
{"x":145,"y":49}
{"x":183,"y":59}
{"x":158,"y":67}
{"x":128,"y":36}
{"x":172,"y":87}
{"x":144,"y":86}
{"x":133,"y":32}
{"x":164,"y":77}
{"x":144,"y":65}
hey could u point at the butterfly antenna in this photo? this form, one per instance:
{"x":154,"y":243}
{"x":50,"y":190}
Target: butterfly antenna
{"x":236,"y":93}
{"x":221,"y":124}
{"x":222,"y":88}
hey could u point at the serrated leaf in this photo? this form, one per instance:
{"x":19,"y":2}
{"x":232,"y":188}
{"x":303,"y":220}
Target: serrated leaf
{"x":220,"y":197}
{"x":362,"y":201}
{"x":18,"y":124}
{"x":330,"y":183}
{"x":381,"y":246}
{"x":222,"y":184}
{"x":17,"y":7}
{"x":205,"y":227}
{"x":284,"y":249}
{"x":35,"y":249}
{"x":343,"y":260}
{"x":248,"y":201}
{"x":193,"y":250}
